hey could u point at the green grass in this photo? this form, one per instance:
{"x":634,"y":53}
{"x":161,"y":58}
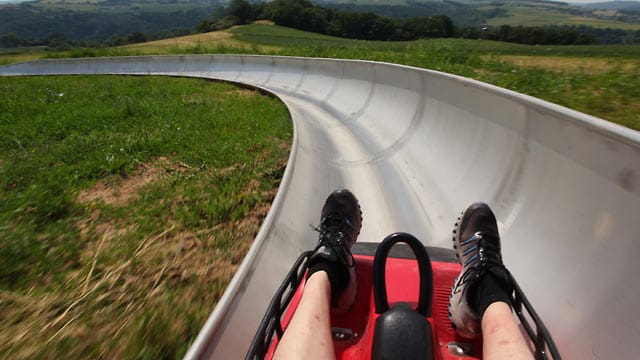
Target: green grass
{"x":272,"y":35}
{"x":124,"y":213}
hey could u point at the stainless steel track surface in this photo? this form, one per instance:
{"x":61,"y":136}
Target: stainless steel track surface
{"x":417,"y":146}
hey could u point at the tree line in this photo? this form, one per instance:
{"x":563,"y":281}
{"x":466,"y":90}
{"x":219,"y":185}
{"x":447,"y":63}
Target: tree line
{"x":531,"y":35}
{"x":462,"y":14}
{"x":303,"y":15}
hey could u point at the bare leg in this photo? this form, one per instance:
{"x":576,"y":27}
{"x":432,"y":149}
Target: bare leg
{"x":309,"y":332}
{"x":501,"y":336}
{"x":331,"y":272}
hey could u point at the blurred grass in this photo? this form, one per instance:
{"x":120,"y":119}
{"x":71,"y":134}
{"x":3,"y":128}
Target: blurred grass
{"x":125,"y":213}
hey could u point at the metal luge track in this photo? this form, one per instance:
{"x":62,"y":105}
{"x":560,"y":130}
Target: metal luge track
{"x":417,"y":146}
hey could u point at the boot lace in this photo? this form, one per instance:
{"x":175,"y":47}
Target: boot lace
{"x":486,"y":258}
{"x":334,"y":230}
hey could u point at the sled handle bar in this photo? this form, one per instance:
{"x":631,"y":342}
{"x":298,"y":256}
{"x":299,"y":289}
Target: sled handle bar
{"x":541,"y":337}
{"x":424,"y":265}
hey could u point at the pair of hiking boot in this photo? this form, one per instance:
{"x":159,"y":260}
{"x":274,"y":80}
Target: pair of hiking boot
{"x":482,"y":281}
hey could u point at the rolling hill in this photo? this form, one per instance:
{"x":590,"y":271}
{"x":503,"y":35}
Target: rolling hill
{"x":509,"y":12}
{"x":100,"y":20}
{"x":612,"y":5}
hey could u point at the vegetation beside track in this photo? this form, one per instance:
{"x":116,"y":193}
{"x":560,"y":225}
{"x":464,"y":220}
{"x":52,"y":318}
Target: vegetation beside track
{"x":126,"y":204}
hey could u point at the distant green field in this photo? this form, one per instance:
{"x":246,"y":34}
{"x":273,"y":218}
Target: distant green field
{"x":261,"y":34}
{"x":530,"y":16}
{"x":520,"y":12}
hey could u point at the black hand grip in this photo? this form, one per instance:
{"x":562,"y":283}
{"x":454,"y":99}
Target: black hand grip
{"x":424,"y":265}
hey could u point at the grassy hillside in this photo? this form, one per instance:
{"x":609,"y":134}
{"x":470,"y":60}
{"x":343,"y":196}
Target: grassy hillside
{"x":613,"y":5}
{"x":99,"y":20}
{"x":286,"y":38}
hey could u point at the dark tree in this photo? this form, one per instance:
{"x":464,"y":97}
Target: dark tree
{"x":242,"y":10}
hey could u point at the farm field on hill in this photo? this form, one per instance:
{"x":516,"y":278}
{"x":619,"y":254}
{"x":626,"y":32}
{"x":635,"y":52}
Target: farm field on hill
{"x":125,"y":214}
{"x":529,"y":16}
{"x":495,"y":13}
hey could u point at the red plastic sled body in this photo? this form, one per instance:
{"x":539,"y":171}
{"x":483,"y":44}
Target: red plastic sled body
{"x":353,"y":332}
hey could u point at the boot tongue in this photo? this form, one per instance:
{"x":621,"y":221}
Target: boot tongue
{"x":484,"y":223}
{"x":337,"y":222}
{"x":333,"y":219}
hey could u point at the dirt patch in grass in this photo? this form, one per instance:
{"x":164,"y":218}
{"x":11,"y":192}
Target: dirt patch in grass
{"x":111,"y":306}
{"x":264,"y":22}
{"x":125,"y":189}
{"x":244,"y":92}
{"x":569,"y":64}
{"x":211,"y":42}
{"x":485,"y":72}
{"x":186,"y":41}
{"x":205,"y":40}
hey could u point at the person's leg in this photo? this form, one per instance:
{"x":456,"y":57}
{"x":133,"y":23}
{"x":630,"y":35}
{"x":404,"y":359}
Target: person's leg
{"x":331,"y":283}
{"x":480,"y":301}
{"x":501,"y":335}
{"x":309,"y":332}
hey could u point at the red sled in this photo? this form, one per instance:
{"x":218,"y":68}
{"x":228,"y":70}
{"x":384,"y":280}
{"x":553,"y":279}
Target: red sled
{"x":401,"y":307}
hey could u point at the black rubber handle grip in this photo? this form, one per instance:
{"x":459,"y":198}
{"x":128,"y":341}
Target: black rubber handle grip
{"x":424,"y":265}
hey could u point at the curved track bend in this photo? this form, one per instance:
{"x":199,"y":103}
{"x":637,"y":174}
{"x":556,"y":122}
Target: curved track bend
{"x":417,"y":146}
